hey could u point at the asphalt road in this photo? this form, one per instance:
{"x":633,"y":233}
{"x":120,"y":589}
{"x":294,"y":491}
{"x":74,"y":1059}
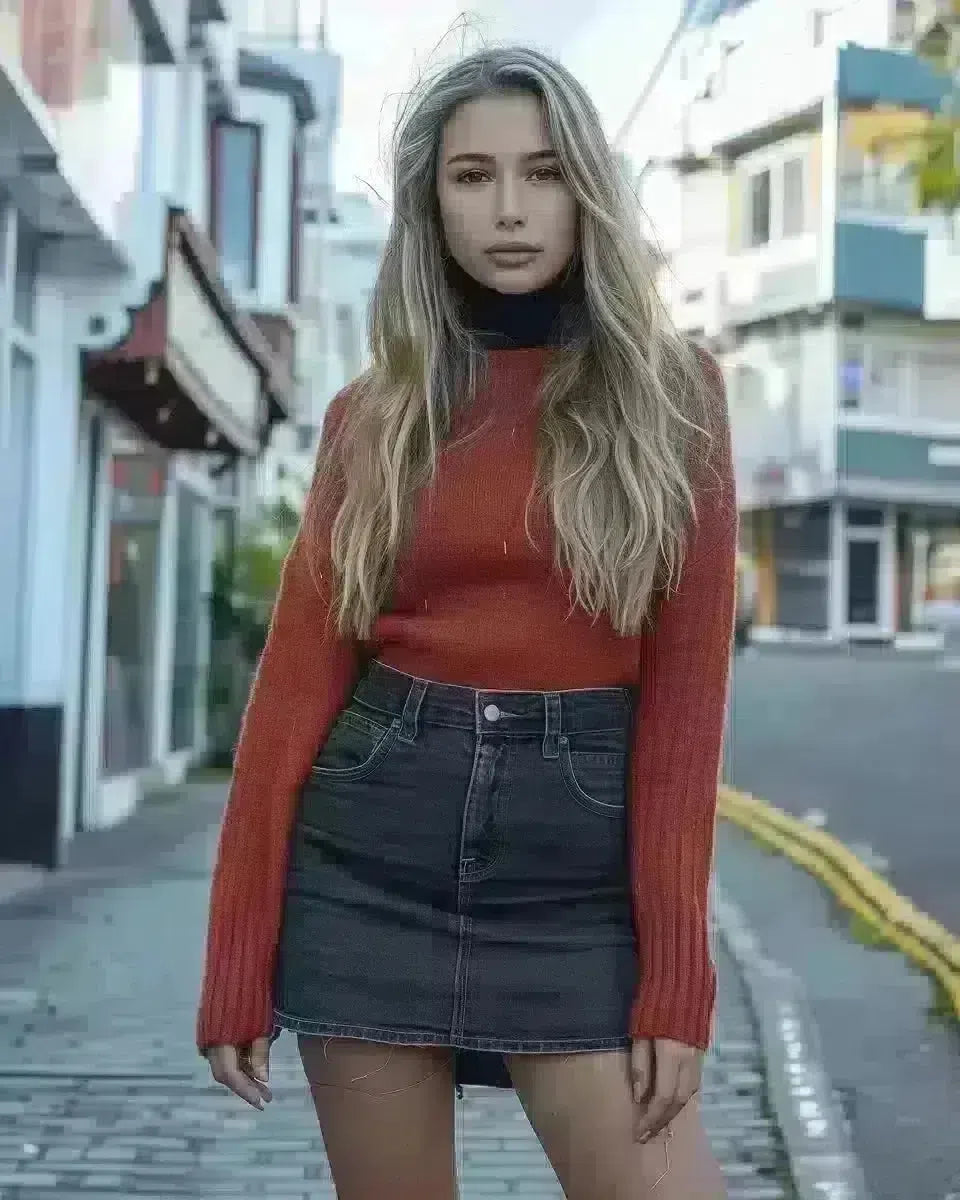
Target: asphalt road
{"x":870,"y":738}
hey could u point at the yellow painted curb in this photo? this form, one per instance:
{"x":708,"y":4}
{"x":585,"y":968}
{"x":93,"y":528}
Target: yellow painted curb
{"x":925,"y":941}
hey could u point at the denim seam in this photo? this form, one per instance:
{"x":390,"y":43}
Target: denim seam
{"x":438,"y":1038}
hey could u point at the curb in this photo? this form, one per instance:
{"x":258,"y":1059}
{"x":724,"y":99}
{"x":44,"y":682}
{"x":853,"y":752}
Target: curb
{"x":814,"y":1129}
{"x":917,"y":935}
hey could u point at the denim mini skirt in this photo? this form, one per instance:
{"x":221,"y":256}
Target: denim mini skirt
{"x":458,"y":874}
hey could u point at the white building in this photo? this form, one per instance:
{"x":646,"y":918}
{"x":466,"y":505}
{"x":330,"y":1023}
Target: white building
{"x":276,"y":34}
{"x":775,"y":154}
{"x":146,"y":350}
{"x":343,"y":239}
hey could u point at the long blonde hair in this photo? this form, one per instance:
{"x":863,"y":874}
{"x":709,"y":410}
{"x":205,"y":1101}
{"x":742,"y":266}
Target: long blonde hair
{"x":627,"y":412}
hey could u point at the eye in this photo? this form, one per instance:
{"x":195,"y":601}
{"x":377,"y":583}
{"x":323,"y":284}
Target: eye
{"x":552,"y":173}
{"x":464,"y":176}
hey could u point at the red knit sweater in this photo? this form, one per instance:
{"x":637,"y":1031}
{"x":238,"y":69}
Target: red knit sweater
{"x":475,"y":604}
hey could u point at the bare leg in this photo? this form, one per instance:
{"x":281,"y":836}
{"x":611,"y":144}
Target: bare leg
{"x":386,"y":1115}
{"x":581,"y":1108}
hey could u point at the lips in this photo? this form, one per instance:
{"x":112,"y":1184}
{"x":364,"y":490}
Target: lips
{"x":515,"y":248}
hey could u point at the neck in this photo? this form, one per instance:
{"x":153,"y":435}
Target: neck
{"x":545,"y":317}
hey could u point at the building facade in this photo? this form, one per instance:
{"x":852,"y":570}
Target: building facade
{"x":342,"y":245}
{"x":784,"y":191}
{"x":147,"y":351}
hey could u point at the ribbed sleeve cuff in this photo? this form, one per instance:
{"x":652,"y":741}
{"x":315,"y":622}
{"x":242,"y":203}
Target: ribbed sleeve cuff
{"x":677,"y":990}
{"x":237,"y":1005}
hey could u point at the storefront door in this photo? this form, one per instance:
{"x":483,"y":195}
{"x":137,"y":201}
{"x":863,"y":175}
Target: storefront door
{"x":869,"y":574}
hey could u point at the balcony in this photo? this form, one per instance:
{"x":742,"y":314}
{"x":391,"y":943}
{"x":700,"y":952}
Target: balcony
{"x":766,"y":281}
{"x":879,"y":266}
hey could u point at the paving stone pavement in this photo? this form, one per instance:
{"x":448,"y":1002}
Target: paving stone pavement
{"x":102,"y":1094}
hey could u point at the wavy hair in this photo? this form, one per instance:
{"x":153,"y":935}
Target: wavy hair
{"x":627,"y":410}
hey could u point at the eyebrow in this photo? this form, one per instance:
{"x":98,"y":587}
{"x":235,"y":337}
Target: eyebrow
{"x":533,"y":157}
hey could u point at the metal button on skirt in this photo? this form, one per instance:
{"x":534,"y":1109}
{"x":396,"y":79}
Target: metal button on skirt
{"x":458,"y":874}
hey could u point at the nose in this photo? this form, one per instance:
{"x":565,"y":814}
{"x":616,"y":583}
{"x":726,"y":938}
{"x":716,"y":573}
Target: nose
{"x":509,"y":214}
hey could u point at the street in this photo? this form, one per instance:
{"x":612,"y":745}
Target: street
{"x":868,"y":737}
{"x":102,"y":1093}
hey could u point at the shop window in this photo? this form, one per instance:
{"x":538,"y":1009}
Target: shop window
{"x":235,"y":160}
{"x":187,"y":683}
{"x":139,"y":483}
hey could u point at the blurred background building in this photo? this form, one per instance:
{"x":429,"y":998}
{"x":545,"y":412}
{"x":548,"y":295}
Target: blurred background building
{"x":155,"y":159}
{"x":798,"y":165}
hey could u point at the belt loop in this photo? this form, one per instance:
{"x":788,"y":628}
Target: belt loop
{"x":551,"y":738}
{"x":411,"y":711}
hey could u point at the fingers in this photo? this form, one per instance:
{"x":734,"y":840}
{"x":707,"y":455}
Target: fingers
{"x":225,"y":1066}
{"x":641,"y":1066}
{"x":257,"y":1066}
{"x":676,"y":1078}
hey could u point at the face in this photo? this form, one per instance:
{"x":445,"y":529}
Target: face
{"x":509,"y":218}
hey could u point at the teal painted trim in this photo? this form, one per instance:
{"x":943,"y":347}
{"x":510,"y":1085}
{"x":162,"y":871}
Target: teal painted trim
{"x":877,"y":265}
{"x":868,"y":76}
{"x":902,"y":457}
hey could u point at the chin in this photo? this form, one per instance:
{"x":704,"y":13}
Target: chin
{"x":516,"y":283}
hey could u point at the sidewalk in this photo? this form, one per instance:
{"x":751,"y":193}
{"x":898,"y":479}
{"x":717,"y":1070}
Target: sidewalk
{"x":103,"y":1095}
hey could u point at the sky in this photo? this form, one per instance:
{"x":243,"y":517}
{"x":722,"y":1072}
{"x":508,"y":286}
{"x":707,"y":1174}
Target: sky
{"x":611,"y":45}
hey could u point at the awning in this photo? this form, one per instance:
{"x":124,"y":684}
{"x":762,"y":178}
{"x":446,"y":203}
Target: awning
{"x":193,"y":372}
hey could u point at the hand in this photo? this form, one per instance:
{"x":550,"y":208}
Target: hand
{"x":244,"y":1070}
{"x":665,"y":1076}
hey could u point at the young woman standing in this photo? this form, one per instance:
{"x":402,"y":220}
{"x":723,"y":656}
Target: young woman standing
{"x":473,"y":801}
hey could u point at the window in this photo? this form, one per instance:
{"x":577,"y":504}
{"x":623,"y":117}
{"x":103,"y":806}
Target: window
{"x":851,"y":380}
{"x":776,"y":200}
{"x":138,"y":486}
{"x":306,"y":436}
{"x":760,"y":209}
{"x":296,"y":220}
{"x":187,"y":676}
{"x":793,"y":197}
{"x":235,"y":200}
{"x":25,"y":278}
{"x":347,"y":342}
{"x":905,"y":21}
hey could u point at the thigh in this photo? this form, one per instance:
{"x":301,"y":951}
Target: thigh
{"x":386,"y":1115}
{"x":581,"y":1108}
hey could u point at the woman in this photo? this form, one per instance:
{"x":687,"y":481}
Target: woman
{"x":473,"y":800}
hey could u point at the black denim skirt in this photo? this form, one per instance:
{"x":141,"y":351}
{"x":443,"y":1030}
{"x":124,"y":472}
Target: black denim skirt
{"x":458,"y":874}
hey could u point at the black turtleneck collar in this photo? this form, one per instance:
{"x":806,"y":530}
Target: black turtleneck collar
{"x":546,"y":317}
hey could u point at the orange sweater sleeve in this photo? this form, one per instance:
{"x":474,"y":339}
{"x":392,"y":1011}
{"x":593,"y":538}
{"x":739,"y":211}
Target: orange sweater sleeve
{"x":675,"y":767}
{"x":304,"y":678}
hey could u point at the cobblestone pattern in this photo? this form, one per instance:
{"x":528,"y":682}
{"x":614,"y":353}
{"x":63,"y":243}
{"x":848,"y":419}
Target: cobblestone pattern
{"x":102,"y":1094}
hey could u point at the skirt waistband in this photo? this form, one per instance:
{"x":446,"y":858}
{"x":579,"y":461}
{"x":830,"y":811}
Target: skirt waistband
{"x":417,"y":701}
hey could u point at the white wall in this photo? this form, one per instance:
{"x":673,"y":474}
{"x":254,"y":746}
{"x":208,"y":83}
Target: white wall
{"x":51,"y":467}
{"x":783,"y":391}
